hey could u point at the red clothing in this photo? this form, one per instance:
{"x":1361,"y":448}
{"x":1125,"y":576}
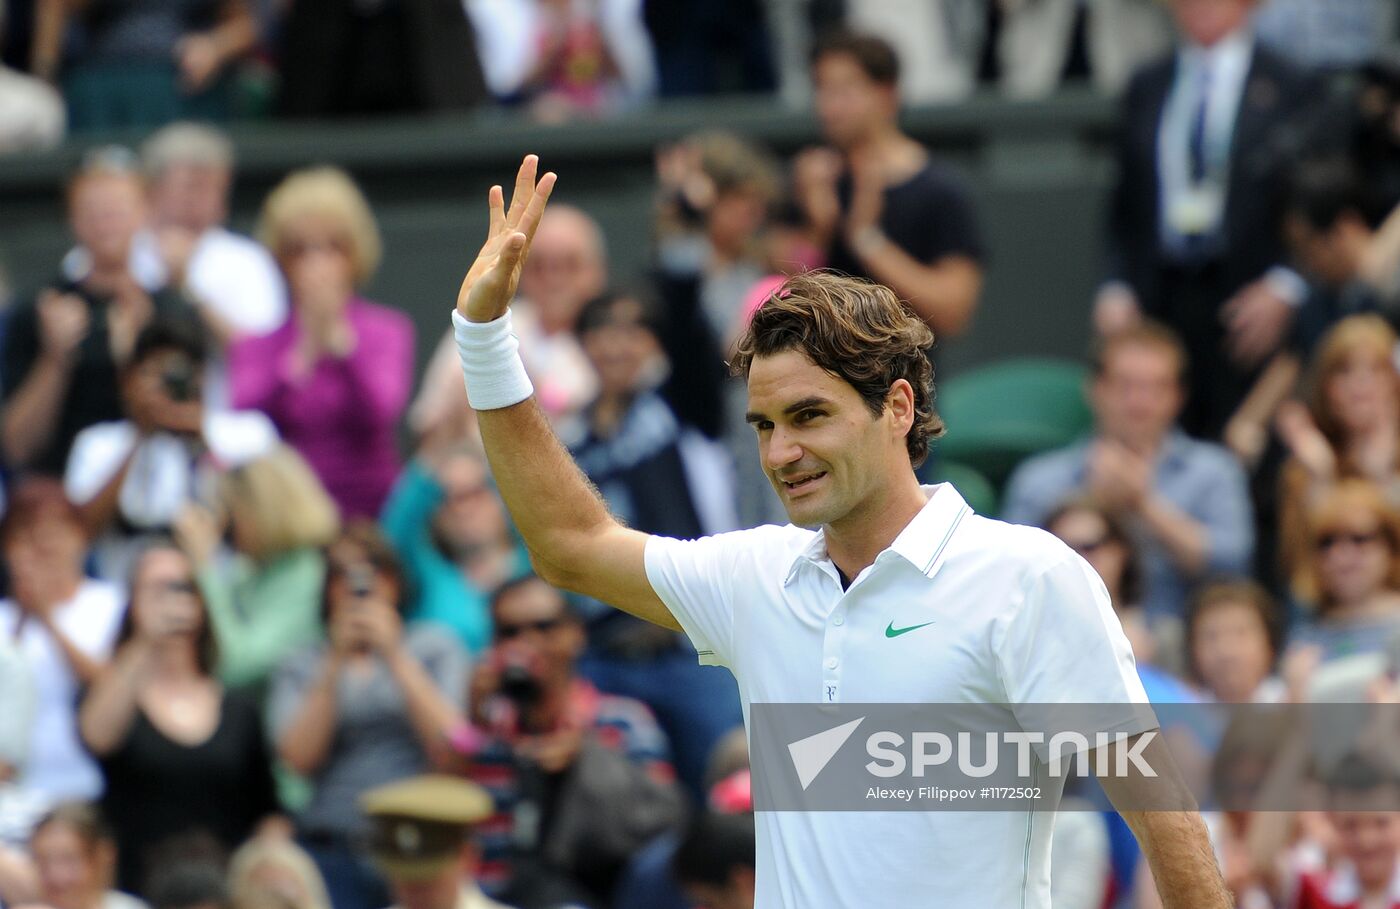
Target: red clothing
{"x":343,"y":417}
{"x":1338,"y":889}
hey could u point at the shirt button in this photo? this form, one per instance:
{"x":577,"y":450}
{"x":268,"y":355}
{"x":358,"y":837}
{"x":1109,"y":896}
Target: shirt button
{"x":839,"y":620}
{"x":832,"y":662}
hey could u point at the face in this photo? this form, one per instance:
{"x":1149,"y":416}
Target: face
{"x":105,"y":211}
{"x":532,"y":623}
{"x":71,"y":872}
{"x":1353,"y":558}
{"x":51,"y":547}
{"x":565,"y":268}
{"x":1207,"y":21}
{"x":1231,"y":650}
{"x":820,"y":446}
{"x":850,"y":105}
{"x":470,"y":516}
{"x":441,"y":891}
{"x":621,"y":349}
{"x":1362,"y":391}
{"x":1322,"y":253}
{"x":1087,"y":533}
{"x":1370,"y":839}
{"x":315,"y":254}
{"x":1137,"y":397}
{"x":735,"y":217}
{"x":352,"y":579}
{"x":164,"y":594}
{"x":191,"y":196}
{"x":169,"y":373}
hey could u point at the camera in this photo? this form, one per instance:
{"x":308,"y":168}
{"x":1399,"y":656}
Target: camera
{"x":520,"y":682}
{"x":180,"y":381}
{"x":361,"y":581}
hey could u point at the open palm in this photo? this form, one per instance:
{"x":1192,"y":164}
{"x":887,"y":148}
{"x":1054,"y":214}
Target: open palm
{"x":490,"y":282}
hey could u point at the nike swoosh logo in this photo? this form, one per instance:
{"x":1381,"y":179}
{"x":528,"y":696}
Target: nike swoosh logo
{"x":893,"y":632}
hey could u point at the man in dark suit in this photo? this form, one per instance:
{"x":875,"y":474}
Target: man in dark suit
{"x":1195,"y":236}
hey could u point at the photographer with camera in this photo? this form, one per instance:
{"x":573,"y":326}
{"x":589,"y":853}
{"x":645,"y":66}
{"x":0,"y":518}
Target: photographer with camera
{"x":368,"y":707}
{"x":130,"y":478}
{"x":181,"y":754}
{"x":580,"y":779}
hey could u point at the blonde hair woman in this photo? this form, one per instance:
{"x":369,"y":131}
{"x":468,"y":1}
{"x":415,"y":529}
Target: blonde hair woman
{"x":336,"y":377}
{"x":1349,"y":427}
{"x":274,"y":873}
{"x":264,"y":602}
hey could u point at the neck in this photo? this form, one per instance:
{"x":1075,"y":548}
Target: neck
{"x":608,"y":412}
{"x":105,"y":276}
{"x":854,"y":541}
{"x":885,"y":146}
{"x":174,"y":661}
{"x":1145,"y":446}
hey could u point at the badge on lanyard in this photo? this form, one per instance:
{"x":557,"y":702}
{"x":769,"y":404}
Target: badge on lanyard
{"x":1197,"y":209}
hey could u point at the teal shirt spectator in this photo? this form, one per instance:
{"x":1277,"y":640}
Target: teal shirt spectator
{"x":439,"y":591}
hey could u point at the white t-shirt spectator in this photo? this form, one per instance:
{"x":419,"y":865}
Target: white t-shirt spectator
{"x":31,"y":112}
{"x":58,"y":768}
{"x":167,"y":472}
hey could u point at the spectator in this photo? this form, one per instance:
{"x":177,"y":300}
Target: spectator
{"x":274,"y":873}
{"x":1350,"y":427}
{"x":658,"y":476}
{"x":232,"y":279}
{"x":1352,"y":580}
{"x":707,"y":48}
{"x":567,"y":267}
{"x":32,"y":115}
{"x":1186,"y":502}
{"x":335,"y":377}
{"x":579,"y":779}
{"x":340,"y":59}
{"x":454,"y":539}
{"x":64,"y":350}
{"x":715,"y":861}
{"x":1036,"y":52}
{"x":1233,"y":637}
{"x":368,"y":707}
{"x":142,"y":64}
{"x":565,"y":57}
{"x":180,"y":753}
{"x":131,"y":478}
{"x":1098,"y":534}
{"x":16,"y":720}
{"x":64,"y":625}
{"x":1195,"y":223}
{"x":75,"y":855}
{"x":940,"y":41}
{"x":875,"y":200}
{"x":264,"y":598}
{"x":422,"y":841}
{"x":189,"y":882}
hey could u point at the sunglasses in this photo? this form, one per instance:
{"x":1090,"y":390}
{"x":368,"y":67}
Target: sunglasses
{"x":515,"y":630}
{"x":1327,"y":540}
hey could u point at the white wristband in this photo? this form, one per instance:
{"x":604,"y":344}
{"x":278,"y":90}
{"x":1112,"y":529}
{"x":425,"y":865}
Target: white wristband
{"x":491,"y":364}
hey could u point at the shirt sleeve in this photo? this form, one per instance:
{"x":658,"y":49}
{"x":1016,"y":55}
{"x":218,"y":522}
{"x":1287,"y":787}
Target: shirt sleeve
{"x":97,"y":454}
{"x":1062,"y":644}
{"x":1224,"y":509}
{"x":694,"y":578}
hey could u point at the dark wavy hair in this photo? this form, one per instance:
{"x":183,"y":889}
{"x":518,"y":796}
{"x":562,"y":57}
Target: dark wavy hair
{"x":859,"y":332}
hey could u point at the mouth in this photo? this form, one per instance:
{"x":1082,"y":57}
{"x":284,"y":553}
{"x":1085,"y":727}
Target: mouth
{"x":802,"y":482}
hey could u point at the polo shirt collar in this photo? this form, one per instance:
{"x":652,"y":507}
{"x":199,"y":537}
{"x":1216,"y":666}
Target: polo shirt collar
{"x":921,"y":543}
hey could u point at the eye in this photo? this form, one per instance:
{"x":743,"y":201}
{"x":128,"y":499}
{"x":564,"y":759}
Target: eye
{"x":762,"y":425}
{"x":808,"y":416}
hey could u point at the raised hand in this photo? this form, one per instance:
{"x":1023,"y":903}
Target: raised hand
{"x":490,"y":282}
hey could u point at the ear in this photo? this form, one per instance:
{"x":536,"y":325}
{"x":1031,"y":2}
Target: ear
{"x":742,"y":879}
{"x":900,"y":404}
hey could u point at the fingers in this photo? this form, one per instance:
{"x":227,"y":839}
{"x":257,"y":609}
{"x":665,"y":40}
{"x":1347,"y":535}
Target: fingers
{"x":496,"y":204}
{"x":535,"y":210}
{"x":524,"y":189}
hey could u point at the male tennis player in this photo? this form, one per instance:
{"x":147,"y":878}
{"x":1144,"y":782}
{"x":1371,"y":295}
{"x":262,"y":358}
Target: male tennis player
{"x":897,"y":593}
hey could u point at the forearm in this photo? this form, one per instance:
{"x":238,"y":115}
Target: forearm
{"x":433,"y":717}
{"x":50,"y":17}
{"x":99,"y":511}
{"x":1179,"y":854}
{"x":554,"y":506}
{"x":108,"y":710}
{"x":306,"y":740}
{"x":944,"y":294}
{"x":32,"y":413}
{"x":1184,"y":538}
{"x":235,"y":35}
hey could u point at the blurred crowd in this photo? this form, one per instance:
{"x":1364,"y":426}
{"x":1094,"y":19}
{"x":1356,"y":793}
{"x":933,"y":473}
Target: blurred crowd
{"x":269,"y":639}
{"x":107,"y":64}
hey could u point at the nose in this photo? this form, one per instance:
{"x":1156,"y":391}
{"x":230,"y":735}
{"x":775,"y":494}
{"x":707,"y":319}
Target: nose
{"x":782,"y":449}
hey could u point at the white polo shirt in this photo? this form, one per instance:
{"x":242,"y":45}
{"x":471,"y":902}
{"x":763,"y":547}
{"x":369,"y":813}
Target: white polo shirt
{"x":1013,"y":617}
